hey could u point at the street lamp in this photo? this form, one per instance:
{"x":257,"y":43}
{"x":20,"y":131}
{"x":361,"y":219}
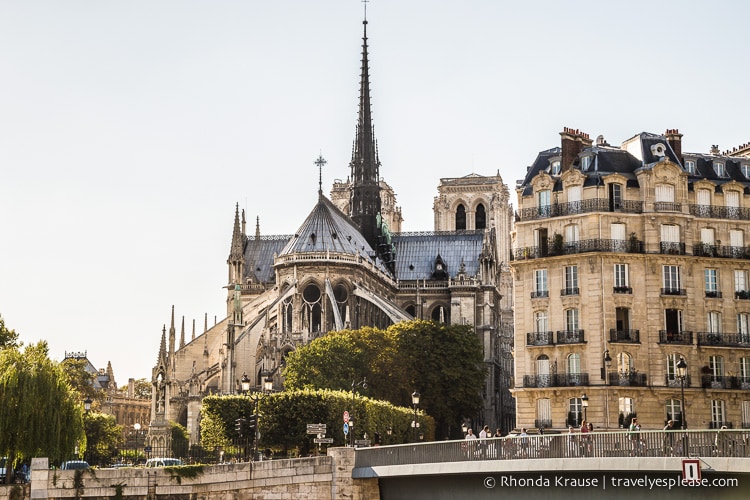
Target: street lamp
{"x":607,"y":364}
{"x":464,"y":427}
{"x":245,"y":383}
{"x":415,"y":403}
{"x":682,"y":375}
{"x":87,"y":404}
{"x":267,"y":384}
{"x":363,"y":384}
{"x":137,"y":429}
{"x":585,"y":404}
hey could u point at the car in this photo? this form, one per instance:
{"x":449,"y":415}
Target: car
{"x":163,"y":462}
{"x":74,"y":464}
{"x":3,"y":462}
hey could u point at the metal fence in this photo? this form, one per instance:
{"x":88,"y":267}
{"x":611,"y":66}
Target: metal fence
{"x":675,"y":443}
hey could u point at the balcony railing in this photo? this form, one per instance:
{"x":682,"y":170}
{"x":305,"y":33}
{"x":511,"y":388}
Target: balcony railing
{"x":713,"y":294}
{"x":570,"y":337}
{"x":543,"y":423}
{"x":570,"y":291}
{"x":667,"y":206}
{"x":742,"y":295}
{"x":674,"y":381}
{"x":719,"y":424}
{"x":622,"y":289}
{"x":580,"y":207}
{"x":713,"y":212}
{"x":556,"y":380}
{"x":540,"y":294}
{"x":553,"y":249}
{"x":625,"y":336}
{"x":720,"y":251}
{"x":675,"y":337}
{"x":671,"y":248}
{"x":719,"y":382}
{"x":627,"y":378}
{"x":723,"y":339}
{"x":673,"y":291}
{"x":540,"y":338}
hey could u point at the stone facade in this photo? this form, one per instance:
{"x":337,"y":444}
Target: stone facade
{"x":628,"y":259}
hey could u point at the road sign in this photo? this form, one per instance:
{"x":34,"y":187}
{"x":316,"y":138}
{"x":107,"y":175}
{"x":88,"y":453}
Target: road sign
{"x":361,"y":442}
{"x":346,"y":428}
{"x":691,"y":470}
{"x":316,"y":428}
{"x":323,"y":440}
{"x":346,"y":416}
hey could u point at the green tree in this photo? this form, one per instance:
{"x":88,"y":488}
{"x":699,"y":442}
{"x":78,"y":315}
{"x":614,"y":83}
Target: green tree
{"x":8,"y":338}
{"x":180,"y":440}
{"x":40,"y":414}
{"x":142,"y":388}
{"x":103,"y":437}
{"x":82,"y":380}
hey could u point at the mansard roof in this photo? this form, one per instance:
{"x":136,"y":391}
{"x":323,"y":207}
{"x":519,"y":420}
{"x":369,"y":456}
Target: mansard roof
{"x":416,"y":252}
{"x":328,"y":229}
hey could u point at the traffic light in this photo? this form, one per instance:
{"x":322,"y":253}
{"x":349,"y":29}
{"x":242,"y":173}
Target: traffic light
{"x":252,"y":422}
{"x":238,"y":425}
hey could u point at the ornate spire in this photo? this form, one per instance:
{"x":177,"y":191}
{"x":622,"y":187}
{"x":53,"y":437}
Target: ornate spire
{"x":182,"y":334}
{"x":365,"y":164}
{"x":236,"y":260}
{"x":172,"y":333}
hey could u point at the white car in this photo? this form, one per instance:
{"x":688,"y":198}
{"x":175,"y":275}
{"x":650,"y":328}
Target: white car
{"x":163,"y":462}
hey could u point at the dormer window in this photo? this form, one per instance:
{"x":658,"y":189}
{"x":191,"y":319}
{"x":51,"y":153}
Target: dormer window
{"x":745,"y":167}
{"x":659,"y":150}
{"x":585,"y":163}
{"x":719,"y":169}
{"x":690,"y":166}
{"x":554,"y":167}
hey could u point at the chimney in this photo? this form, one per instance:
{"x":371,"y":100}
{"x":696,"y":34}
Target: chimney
{"x":674,"y":138}
{"x":715,"y":149}
{"x":572,"y":142}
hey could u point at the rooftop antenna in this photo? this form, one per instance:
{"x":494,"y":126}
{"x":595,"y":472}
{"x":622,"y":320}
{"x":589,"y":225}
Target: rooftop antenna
{"x":320,"y":162}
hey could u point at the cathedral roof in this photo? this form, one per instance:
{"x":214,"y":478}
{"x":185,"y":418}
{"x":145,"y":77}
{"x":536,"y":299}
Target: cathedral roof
{"x":327,"y":229}
{"x":259,"y":254}
{"x":417,"y":252}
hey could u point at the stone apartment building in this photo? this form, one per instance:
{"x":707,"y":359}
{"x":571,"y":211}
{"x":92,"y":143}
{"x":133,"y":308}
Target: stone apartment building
{"x":629,"y":259}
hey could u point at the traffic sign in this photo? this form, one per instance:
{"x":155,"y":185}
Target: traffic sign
{"x":691,"y":470}
{"x":362,"y":442}
{"x":346,"y":416}
{"x":323,"y":440}
{"x":316,"y":428}
{"x":346,"y":428}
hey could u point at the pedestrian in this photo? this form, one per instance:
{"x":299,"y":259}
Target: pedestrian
{"x":470,"y":443}
{"x":572,"y":442}
{"x":524,"y":440}
{"x":484,"y":434}
{"x":591,"y":437}
{"x":584,"y":442}
{"x":634,"y":433}
{"x":668,"y":438}
{"x":723,"y":446}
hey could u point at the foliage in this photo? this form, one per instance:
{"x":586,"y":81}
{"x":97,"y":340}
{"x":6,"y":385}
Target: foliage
{"x":284,"y":417}
{"x":442,"y":362}
{"x":40,"y":414}
{"x":178,"y":472}
{"x":180,"y":439}
{"x":103,"y":437}
{"x":82,"y":380}
{"x":141,"y":389}
{"x":8,"y":338}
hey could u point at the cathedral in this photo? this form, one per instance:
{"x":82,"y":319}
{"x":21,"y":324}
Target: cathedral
{"x":349,"y":265}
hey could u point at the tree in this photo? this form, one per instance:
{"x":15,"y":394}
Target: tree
{"x":103,"y":437}
{"x":40,"y":414}
{"x":442,"y":362}
{"x":142,"y":389}
{"x":8,"y":338}
{"x":82,"y":380}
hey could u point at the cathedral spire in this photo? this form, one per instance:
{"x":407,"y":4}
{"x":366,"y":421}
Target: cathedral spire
{"x":365,"y":164}
{"x":172,"y":333}
{"x":182,"y":334}
{"x":236,"y":260}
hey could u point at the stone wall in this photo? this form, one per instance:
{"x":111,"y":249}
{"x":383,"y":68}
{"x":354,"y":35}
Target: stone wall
{"x":323,"y":477}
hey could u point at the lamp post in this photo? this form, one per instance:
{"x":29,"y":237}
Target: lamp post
{"x":607,"y":364}
{"x":682,"y":375}
{"x":415,"y":403}
{"x":137,"y":430}
{"x":87,"y":404}
{"x":363,"y":384}
{"x":585,"y":404}
{"x":245,"y":383}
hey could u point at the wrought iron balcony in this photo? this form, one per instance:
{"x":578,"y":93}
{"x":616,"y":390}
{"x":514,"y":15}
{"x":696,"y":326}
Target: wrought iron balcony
{"x":720,"y":424}
{"x":713,"y":212}
{"x":625,"y":336}
{"x":671,"y":248}
{"x":540,"y":294}
{"x":627,"y":378}
{"x":674,"y":381}
{"x":742,"y":295}
{"x":719,"y":382}
{"x":713,"y":294}
{"x":720,"y":251}
{"x":554,"y":249}
{"x":667,"y":206}
{"x":540,"y":338}
{"x":580,"y":207}
{"x":570,"y":337}
{"x":570,"y":291}
{"x":556,"y":380}
{"x":716,"y":339}
{"x":543,"y":423}
{"x":622,"y":289}
{"x":673,"y":291}
{"x":675,"y":337}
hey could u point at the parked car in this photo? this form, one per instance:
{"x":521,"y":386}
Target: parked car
{"x":163,"y":462}
{"x":74,"y":464}
{"x":3,"y":462}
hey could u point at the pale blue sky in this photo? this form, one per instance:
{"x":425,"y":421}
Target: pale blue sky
{"x":129,"y":130}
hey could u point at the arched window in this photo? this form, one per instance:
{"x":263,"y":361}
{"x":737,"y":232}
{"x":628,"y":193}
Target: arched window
{"x":674,"y":412}
{"x":542,"y":371}
{"x":460,"y":217}
{"x":286,"y":315}
{"x":311,"y":310}
{"x":481,"y":217}
{"x":441,"y":315}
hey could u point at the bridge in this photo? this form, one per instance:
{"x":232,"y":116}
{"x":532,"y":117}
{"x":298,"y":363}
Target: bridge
{"x":679,"y":464}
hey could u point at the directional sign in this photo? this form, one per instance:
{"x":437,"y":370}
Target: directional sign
{"x":346,"y":416}
{"x":346,"y":428}
{"x":316,"y":428}
{"x":362,"y":442}
{"x":323,"y":440}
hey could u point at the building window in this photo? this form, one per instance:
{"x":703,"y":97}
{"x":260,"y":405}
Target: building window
{"x":541,"y":323}
{"x":737,"y":242}
{"x":571,"y":238}
{"x":627,"y":411}
{"x":674,"y":412}
{"x":585,"y":163}
{"x":574,"y":363}
{"x":543,"y":413}
{"x":745,"y":170}
{"x":554,"y":167}
{"x":743,"y":327}
{"x":665,"y":193}
{"x":719,"y":169}
{"x":543,"y":203}
{"x":711,"y":282}
{"x":621,"y":278}
{"x":713,"y":322}
{"x":703,"y":197}
{"x":716,"y":367}
{"x":746,"y":414}
{"x":625,"y":363}
{"x":718,"y":414}
{"x":732,"y":201}
{"x":571,"y":320}
{"x":540,"y":283}
{"x":670,"y":239}
{"x":460,"y":217}
{"x":671,"y":279}
{"x":481,"y":217}
{"x":615,"y":196}
{"x":744,"y":373}
{"x":740,"y":283}
{"x":571,"y":280}
{"x":673,"y":323}
{"x":690,"y":167}
{"x":575,"y":412}
{"x":672,"y":360}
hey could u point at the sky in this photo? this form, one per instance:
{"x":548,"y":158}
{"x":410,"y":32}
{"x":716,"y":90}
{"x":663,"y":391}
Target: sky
{"x":129,"y":130}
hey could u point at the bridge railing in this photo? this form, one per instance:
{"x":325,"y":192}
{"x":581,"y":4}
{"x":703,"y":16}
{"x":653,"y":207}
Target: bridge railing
{"x":675,"y":443}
